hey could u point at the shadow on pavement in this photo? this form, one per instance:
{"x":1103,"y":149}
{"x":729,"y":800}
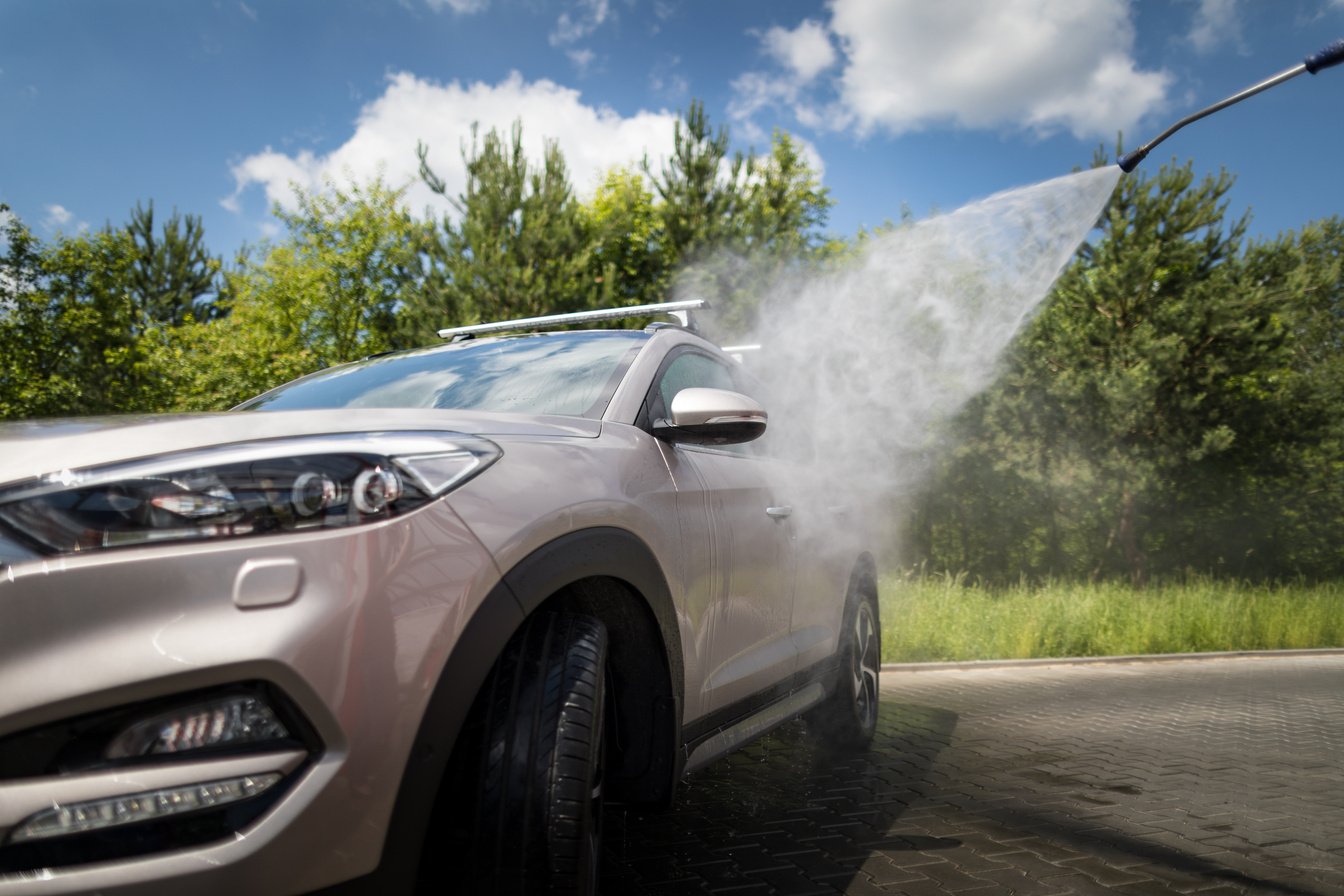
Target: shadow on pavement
{"x":784,"y":814}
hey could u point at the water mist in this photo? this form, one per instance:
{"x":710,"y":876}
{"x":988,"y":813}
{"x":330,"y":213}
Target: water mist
{"x":863,"y":362}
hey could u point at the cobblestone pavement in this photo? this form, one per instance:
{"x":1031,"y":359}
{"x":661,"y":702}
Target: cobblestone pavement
{"x":1217,"y":776}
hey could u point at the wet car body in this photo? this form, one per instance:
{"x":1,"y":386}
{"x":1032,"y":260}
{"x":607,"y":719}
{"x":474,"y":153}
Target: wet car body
{"x":331,"y":668}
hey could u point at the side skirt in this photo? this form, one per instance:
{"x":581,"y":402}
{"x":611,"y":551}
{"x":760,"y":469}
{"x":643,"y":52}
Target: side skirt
{"x":734,"y":726}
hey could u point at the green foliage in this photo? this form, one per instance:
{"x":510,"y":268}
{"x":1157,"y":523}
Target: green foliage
{"x":1159,"y":414}
{"x":624,"y":224}
{"x":520,"y":245}
{"x":785,"y":205}
{"x":518,"y":248}
{"x":731,"y":226}
{"x":701,"y":188}
{"x":1300,"y":519}
{"x":328,"y":292}
{"x":72,"y":340}
{"x":174,"y":277}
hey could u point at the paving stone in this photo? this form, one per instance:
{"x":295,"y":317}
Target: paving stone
{"x":1105,"y":873}
{"x":1218,"y":776}
{"x":749,"y":857}
{"x":883,"y":872}
{"x":791,"y":881}
{"x":1020,"y":884}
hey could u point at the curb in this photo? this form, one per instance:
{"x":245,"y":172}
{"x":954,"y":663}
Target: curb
{"x":1109,"y":660}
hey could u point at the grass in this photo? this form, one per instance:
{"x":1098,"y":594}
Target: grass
{"x":936,"y":618}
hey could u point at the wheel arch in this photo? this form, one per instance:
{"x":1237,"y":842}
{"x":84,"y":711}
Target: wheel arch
{"x":606,"y":572}
{"x":863,"y":578}
{"x":612,"y":575}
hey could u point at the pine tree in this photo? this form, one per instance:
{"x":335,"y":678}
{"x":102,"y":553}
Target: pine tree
{"x":174,"y":277}
{"x":517,"y":247}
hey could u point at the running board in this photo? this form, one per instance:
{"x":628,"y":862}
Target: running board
{"x":725,"y":740}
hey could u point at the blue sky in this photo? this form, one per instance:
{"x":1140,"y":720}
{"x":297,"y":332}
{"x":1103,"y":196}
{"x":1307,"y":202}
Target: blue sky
{"x":214,"y":107}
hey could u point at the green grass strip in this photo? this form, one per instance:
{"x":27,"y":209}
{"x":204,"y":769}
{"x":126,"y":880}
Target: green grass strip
{"x":942,"y":618}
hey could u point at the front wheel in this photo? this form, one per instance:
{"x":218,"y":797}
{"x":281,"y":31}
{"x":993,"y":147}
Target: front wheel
{"x":847,"y":719}
{"x":536,"y":814}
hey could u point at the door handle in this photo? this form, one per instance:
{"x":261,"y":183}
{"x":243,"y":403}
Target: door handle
{"x":782,"y":512}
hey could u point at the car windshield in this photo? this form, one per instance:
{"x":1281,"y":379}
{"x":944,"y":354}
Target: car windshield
{"x":568,"y":373}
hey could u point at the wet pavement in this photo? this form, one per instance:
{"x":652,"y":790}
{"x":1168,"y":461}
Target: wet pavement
{"x":1221,"y":776}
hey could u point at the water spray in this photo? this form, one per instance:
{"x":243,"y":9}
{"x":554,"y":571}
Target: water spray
{"x":1330,"y":55}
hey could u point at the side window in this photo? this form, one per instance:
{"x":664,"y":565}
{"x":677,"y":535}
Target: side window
{"x":691,"y":369}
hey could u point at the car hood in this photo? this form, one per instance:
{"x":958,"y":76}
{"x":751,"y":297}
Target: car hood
{"x":32,"y":448}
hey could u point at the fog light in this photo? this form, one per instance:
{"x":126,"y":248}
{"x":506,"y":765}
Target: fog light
{"x":234,"y":720}
{"x":77,"y":818}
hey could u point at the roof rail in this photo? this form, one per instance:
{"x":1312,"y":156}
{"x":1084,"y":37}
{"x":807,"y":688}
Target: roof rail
{"x":680,"y":310}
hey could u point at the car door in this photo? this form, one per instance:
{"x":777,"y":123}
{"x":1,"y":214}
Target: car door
{"x":735,"y":520}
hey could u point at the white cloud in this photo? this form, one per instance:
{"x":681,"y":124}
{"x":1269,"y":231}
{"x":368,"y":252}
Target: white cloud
{"x":6,"y":218}
{"x":588,"y":17}
{"x":412,"y":109}
{"x":460,"y":7}
{"x":667,"y":82}
{"x":582,"y":59}
{"x":1046,"y":63}
{"x":1217,"y":22}
{"x":754,"y":91}
{"x":247,"y":10}
{"x":57,"y":216}
{"x":806,"y":50}
{"x":907,"y":65}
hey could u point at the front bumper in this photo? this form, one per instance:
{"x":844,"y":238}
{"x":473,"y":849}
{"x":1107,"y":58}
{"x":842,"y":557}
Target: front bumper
{"x":351,"y":627}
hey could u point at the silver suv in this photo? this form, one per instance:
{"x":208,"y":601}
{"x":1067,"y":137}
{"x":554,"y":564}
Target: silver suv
{"x":410,"y":621}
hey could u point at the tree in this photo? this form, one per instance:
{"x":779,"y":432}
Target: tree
{"x":518,"y":246}
{"x":1136,"y":412}
{"x":626,"y":257}
{"x":786,"y":206}
{"x":701,"y":189}
{"x":1297,"y":518}
{"x":330,"y":291}
{"x":68,"y":335}
{"x":173,"y":277}
{"x":730,"y":226}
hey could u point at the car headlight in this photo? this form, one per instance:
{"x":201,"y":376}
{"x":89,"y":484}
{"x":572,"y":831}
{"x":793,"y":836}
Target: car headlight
{"x":256,"y":488}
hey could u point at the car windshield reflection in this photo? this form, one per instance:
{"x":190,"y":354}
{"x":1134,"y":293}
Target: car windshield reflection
{"x":568,"y":374}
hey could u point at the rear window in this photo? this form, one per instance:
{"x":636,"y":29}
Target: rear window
{"x":571,"y":374}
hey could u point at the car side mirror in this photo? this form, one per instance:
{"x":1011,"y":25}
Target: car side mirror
{"x":711,"y":417}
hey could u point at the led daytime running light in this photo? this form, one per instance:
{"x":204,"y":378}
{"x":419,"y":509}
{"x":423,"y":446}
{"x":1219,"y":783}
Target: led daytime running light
{"x":94,"y":815}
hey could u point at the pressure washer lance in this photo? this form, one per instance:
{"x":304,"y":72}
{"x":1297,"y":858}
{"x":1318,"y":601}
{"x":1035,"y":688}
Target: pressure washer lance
{"x":1331,"y":55}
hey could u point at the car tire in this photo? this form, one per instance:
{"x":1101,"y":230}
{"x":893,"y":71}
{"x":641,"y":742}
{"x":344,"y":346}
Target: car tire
{"x":537,"y":823}
{"x":847,"y":718}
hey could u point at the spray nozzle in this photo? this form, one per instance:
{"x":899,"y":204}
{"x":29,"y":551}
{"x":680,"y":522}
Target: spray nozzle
{"x":1130,"y":160}
{"x":1333,"y":54}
